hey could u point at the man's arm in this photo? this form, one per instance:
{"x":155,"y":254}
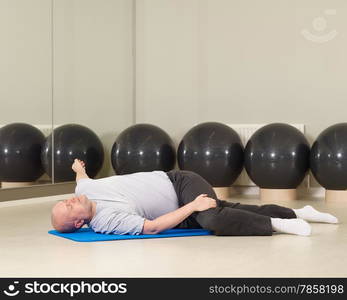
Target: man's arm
{"x":171,"y":219}
{"x":81,"y":175}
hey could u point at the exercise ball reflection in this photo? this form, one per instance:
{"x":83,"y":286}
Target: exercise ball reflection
{"x":277,"y":157}
{"x":72,"y":141}
{"x":20,"y":150}
{"x":142,"y":148}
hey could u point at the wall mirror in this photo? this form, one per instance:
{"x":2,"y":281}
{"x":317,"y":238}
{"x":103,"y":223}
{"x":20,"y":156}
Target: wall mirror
{"x":25,"y":90}
{"x":67,"y":65}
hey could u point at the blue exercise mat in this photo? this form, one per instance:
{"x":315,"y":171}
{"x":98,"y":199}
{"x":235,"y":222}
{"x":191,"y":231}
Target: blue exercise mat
{"x":88,"y":235}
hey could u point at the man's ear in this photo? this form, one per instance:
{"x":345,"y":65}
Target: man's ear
{"x":78,"y":223}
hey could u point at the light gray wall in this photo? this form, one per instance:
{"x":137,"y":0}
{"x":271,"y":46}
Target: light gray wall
{"x":240,"y":61}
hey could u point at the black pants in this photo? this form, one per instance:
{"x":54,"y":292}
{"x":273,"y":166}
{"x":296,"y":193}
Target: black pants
{"x":227,"y":218}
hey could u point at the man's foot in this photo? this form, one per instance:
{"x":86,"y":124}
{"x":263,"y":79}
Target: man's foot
{"x":291,"y":226}
{"x":78,"y":166}
{"x":310,"y":214}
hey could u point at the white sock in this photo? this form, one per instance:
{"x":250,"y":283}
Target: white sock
{"x":310,"y":214}
{"x":292,"y":226}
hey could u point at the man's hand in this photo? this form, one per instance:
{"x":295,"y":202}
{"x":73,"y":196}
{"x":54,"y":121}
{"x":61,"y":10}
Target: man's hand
{"x":78,"y":166}
{"x":203,"y":202}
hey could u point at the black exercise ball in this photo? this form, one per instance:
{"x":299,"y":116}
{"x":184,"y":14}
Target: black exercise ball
{"x":212,"y":150}
{"x":328,"y":159}
{"x":143,"y":148}
{"x":277,"y":157}
{"x":20,"y":150}
{"x":72,"y":141}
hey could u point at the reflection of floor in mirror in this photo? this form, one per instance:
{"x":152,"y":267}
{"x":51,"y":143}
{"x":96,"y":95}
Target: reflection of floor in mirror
{"x":27,"y":250}
{"x":6,"y":185}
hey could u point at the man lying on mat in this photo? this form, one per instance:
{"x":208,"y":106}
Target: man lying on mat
{"x":151,"y":202}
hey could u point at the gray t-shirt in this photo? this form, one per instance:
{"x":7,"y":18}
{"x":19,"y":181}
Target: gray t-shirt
{"x":123,"y":202}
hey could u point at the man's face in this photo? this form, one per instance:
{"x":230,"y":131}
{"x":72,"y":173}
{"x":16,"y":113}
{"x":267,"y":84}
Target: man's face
{"x":75,"y":207}
{"x":70,"y":210}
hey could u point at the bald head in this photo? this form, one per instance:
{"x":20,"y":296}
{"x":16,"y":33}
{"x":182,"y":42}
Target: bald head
{"x":71,"y":214}
{"x":61,"y":220}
